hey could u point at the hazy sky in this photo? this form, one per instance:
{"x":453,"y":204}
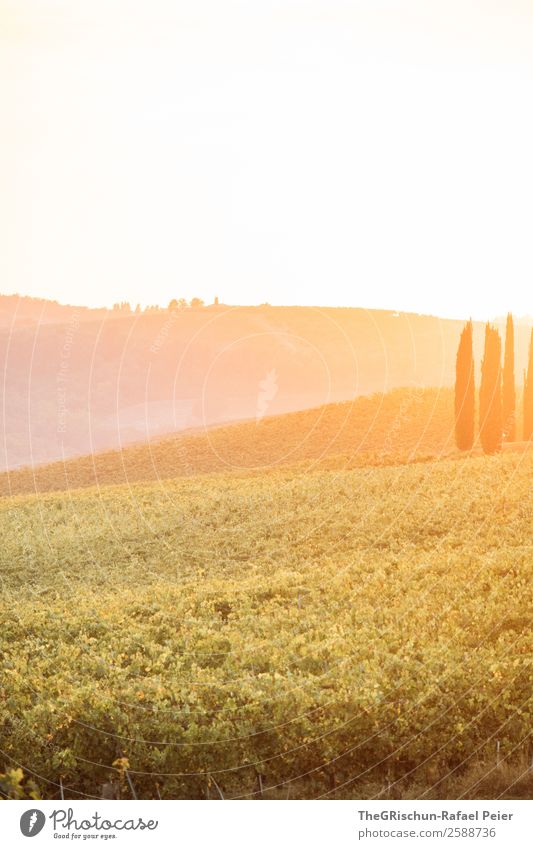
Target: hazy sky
{"x":362,"y":152}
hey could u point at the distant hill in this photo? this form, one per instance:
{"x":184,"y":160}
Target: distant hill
{"x":78,"y":381}
{"x":18,"y":311}
{"x":376,"y":430}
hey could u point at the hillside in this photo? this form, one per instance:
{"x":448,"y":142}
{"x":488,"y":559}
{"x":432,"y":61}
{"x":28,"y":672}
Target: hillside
{"x":376,"y":430}
{"x":336,"y":632}
{"x":18,"y":311}
{"x":79,"y":381}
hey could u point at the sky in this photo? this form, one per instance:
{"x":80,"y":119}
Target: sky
{"x":374,"y":153}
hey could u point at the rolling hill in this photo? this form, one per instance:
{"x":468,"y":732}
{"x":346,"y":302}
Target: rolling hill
{"x":79,"y":381}
{"x":397,"y":427}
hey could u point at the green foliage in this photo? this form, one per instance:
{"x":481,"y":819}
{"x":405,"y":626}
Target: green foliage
{"x":318,"y":628}
{"x":14,"y":785}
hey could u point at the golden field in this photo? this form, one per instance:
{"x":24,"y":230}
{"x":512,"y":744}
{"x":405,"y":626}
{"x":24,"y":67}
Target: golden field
{"x":342,"y":632}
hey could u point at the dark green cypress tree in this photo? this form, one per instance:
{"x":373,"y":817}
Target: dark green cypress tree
{"x":490,"y":395}
{"x":528,"y":394}
{"x":509,"y":389}
{"x":465,"y":390}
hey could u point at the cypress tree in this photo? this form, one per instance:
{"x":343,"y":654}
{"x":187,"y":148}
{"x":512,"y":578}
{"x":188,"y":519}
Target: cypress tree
{"x":528,"y":395}
{"x":509,"y":389}
{"x":490,"y":395}
{"x":464,"y":390}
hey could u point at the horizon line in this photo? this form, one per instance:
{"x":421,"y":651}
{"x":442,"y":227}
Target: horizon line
{"x":147,"y":308}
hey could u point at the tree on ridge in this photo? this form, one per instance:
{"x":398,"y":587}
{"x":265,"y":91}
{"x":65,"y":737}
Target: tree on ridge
{"x":490,"y":395}
{"x":528,"y":394}
{"x":465,"y":390}
{"x":508,"y":387}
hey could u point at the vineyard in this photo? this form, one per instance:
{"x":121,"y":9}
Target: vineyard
{"x":334,"y":633}
{"x":382,"y":429}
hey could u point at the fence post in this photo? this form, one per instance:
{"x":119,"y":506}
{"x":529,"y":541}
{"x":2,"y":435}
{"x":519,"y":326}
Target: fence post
{"x":220,"y":793}
{"x":130,"y":782}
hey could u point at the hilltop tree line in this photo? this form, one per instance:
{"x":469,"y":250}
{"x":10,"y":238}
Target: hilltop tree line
{"x":497,"y":392}
{"x":175,"y":304}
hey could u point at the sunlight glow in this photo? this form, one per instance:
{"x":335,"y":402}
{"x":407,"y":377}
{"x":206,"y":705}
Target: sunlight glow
{"x":328,"y":152}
